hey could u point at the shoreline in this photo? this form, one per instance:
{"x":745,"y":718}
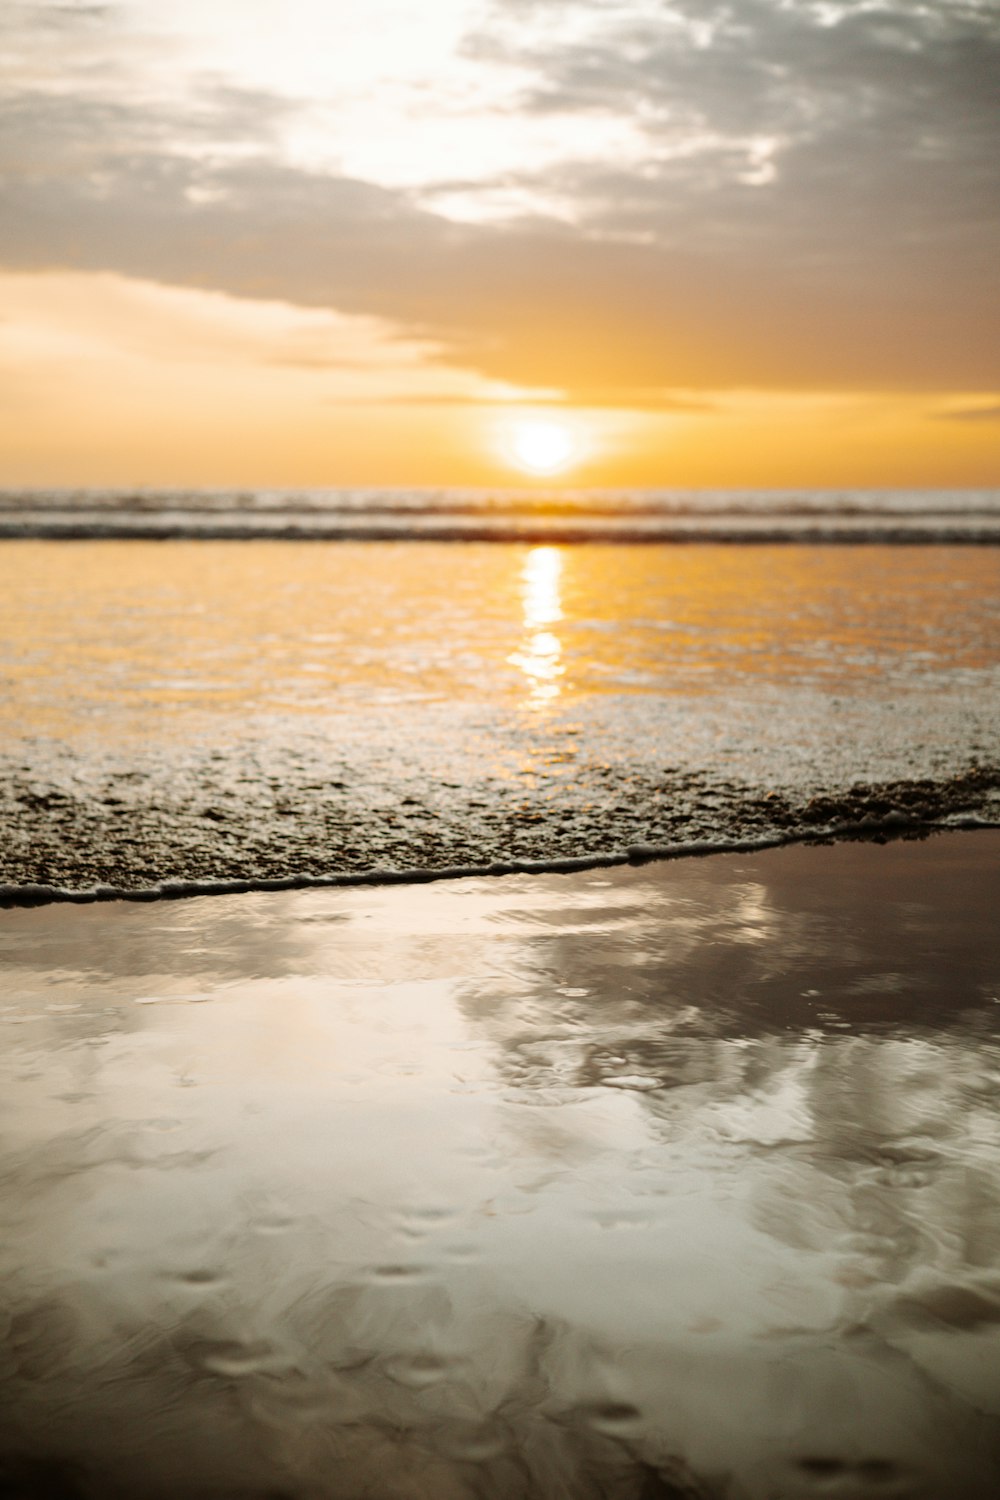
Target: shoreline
{"x":880,"y":813}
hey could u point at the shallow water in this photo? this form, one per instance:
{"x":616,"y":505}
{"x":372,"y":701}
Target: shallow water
{"x":125,"y":639}
{"x":659,"y":1182}
{"x":197,"y":709}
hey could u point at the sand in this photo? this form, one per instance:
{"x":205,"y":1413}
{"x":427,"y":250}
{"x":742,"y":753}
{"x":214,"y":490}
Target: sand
{"x":677,"y":1181}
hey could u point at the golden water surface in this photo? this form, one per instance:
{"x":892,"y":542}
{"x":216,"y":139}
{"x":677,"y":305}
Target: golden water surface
{"x":106,"y":637}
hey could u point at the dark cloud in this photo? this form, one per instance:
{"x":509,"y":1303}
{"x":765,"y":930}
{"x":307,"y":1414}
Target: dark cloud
{"x":818,"y":204}
{"x":535,"y":302}
{"x":54,"y":136}
{"x":59,"y":16}
{"x":884,"y":125}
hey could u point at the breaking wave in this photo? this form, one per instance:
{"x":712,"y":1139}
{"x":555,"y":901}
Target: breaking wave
{"x":815,"y":516}
{"x":893,"y":825}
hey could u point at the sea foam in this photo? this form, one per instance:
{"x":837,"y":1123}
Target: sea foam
{"x":894,"y":825}
{"x":551,"y":516}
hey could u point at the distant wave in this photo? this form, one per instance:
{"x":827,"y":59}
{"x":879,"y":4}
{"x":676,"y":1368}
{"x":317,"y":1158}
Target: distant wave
{"x":507,"y":515}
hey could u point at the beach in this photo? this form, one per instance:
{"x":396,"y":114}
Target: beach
{"x":208,"y":711}
{"x":677,"y":1181}
{"x":500,"y":750}
{"x":461,"y":1135}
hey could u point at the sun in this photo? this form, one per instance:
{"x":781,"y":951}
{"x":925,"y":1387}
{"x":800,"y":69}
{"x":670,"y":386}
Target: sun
{"x":541,"y":445}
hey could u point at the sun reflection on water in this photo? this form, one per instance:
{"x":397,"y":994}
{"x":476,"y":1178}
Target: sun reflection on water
{"x":539,"y":655}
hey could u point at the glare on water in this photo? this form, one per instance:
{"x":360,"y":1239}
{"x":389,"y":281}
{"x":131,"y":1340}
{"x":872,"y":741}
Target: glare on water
{"x":210,"y":633}
{"x":539,"y":656}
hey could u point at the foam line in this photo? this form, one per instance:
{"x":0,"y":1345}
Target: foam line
{"x":893,"y":825}
{"x":547,"y":530}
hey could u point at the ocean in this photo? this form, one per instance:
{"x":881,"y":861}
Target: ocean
{"x":240,"y":688}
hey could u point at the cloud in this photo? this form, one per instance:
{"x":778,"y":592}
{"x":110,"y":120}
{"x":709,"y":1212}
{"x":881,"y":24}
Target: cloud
{"x":535,"y":302}
{"x":607,"y":399}
{"x":969,"y":414}
{"x":61,"y":17}
{"x":876,"y":123}
{"x":813,"y":207}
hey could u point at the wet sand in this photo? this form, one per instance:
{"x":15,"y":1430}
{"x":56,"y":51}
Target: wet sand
{"x":196,"y":711}
{"x":679,"y":1181}
{"x":66,"y":847}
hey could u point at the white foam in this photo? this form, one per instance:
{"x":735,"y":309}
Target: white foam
{"x":892,"y":824}
{"x":83,"y":526}
{"x":813,"y":516}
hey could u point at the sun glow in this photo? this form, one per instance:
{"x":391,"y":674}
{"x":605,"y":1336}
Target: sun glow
{"x":541,"y":445}
{"x":539,"y":656}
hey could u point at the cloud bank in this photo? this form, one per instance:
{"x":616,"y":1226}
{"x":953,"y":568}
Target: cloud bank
{"x":809,"y":198}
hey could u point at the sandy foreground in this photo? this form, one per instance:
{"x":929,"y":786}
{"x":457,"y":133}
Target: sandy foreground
{"x":678,"y":1182}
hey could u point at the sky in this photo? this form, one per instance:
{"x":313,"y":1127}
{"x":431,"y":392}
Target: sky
{"x":610,"y":242}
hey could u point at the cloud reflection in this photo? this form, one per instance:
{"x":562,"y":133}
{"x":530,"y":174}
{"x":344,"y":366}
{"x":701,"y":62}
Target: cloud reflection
{"x":510,"y":1188}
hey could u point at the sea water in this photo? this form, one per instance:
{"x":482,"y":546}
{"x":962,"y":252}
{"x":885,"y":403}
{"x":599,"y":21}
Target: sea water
{"x":195,"y":709}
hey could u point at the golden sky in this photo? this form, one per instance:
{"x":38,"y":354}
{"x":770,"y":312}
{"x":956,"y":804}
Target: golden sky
{"x":611,"y":242}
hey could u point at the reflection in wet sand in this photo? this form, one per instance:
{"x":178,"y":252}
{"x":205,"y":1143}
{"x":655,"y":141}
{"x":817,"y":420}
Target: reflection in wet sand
{"x":661,"y":1182}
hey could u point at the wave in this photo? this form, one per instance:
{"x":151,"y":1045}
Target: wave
{"x":893,"y":825}
{"x":815,"y":516}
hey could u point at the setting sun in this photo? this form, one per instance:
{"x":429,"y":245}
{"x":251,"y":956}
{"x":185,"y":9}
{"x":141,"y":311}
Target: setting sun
{"x":541,"y":445}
